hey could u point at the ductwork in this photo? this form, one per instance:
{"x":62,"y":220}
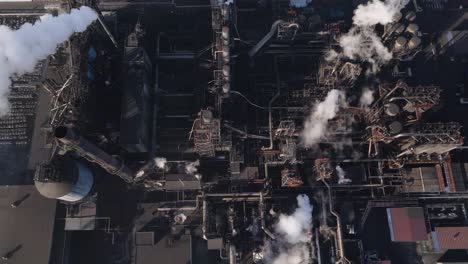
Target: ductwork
{"x":261,"y":208}
{"x":70,"y":140}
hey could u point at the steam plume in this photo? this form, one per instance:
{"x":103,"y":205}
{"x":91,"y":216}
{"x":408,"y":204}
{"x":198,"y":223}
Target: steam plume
{"x":191,"y":168}
{"x":361,"y":42}
{"x":22,"y":49}
{"x":377,"y":12}
{"x":293,"y":233}
{"x":342,"y":175}
{"x":367,"y":97}
{"x":160,"y":162}
{"x":316,"y":125}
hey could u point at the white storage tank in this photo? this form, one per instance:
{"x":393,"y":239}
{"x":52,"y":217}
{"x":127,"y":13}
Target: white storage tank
{"x":412,"y":28}
{"x":69,"y":181}
{"x":414,"y":42}
{"x":400,"y":44}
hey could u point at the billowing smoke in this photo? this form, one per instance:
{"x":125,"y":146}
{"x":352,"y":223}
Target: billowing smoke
{"x":316,"y":125}
{"x":377,"y":12}
{"x":160,"y":163}
{"x":361,"y":42}
{"x":342,"y":175}
{"x":367,"y":97}
{"x":294,"y":255}
{"x":299,"y":3}
{"x":293,"y":232}
{"x":294,"y":227}
{"x":149,"y":167}
{"x":191,"y":168}
{"x":22,"y":49}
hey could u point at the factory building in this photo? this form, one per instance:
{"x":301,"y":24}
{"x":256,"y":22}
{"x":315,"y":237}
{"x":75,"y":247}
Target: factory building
{"x":235,"y":132}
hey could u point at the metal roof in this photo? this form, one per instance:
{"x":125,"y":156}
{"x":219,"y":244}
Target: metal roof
{"x":181,"y":182}
{"x":28,"y":226}
{"x":407,"y":224}
{"x":453,"y":237}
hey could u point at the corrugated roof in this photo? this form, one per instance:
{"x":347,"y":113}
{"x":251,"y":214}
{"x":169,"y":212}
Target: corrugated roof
{"x":407,"y":224}
{"x":455,"y":237}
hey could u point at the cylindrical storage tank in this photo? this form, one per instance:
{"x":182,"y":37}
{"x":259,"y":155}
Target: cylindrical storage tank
{"x":409,"y":107}
{"x":392,"y":109}
{"x":400,"y":43}
{"x":410,"y":16}
{"x":397,"y":16}
{"x":389,"y":29}
{"x":412,"y":28}
{"x":71,"y":181}
{"x":395,"y":127}
{"x":399,"y":28}
{"x":414,"y":42}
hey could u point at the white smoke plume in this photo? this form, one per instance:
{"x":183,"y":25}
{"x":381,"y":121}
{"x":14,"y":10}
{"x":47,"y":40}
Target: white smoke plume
{"x":22,"y":49}
{"x":367,"y":97}
{"x":316,"y":125}
{"x":191,"y":168}
{"x":294,"y":255}
{"x":342,"y":175}
{"x":377,"y":12}
{"x":294,"y":227}
{"x":160,"y":163}
{"x":361,"y":42}
{"x":299,"y":3}
{"x":293,"y":233}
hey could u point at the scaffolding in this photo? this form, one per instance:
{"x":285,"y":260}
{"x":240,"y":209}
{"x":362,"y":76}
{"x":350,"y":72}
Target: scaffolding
{"x":414,"y":99}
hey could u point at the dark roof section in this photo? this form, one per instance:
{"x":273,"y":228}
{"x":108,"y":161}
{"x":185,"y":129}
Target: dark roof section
{"x":136,"y":110}
{"x":453,"y":237}
{"x":29,"y":226}
{"x":165,"y":251}
{"x":407,"y":224}
{"x":454,"y":256}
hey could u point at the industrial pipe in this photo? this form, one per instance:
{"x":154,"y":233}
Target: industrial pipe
{"x":205,"y":218}
{"x":274,"y":28}
{"x":270,"y":117}
{"x":339,"y":234}
{"x":72,"y":141}
{"x":111,"y":37}
{"x":261,"y":208}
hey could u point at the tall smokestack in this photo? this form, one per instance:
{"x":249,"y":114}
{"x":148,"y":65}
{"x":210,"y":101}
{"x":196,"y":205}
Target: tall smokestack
{"x":22,"y":49}
{"x":72,"y":141}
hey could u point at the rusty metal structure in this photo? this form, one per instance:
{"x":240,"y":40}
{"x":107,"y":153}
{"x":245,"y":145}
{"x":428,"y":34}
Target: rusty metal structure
{"x":410,"y":99}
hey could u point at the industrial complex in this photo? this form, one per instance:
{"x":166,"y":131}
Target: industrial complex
{"x":233,"y":131}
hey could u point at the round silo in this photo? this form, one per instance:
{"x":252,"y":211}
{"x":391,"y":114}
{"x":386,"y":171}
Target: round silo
{"x":69,"y":181}
{"x":400,"y":44}
{"x":412,"y":28}
{"x":414,"y":42}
